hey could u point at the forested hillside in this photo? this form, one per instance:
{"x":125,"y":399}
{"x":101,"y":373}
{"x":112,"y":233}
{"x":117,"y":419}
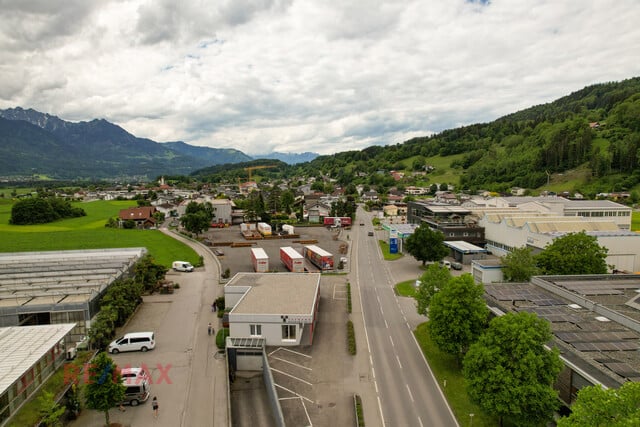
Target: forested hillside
{"x":596,"y":130}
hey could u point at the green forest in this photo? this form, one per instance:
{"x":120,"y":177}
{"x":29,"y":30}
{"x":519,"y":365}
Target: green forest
{"x":590,"y":137}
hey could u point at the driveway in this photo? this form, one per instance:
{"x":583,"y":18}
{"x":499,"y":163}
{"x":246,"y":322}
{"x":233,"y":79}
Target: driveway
{"x":189,"y":382}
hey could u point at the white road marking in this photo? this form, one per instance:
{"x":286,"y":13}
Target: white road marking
{"x":398,"y":359}
{"x":410,"y":395}
{"x":293,"y":392}
{"x":292,"y":376}
{"x":292,"y":363}
{"x":391,"y":339}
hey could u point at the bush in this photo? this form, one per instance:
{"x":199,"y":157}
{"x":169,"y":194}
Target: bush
{"x":359,"y":413}
{"x":221,"y":337}
{"x":348,"y":297}
{"x":351,"y":338}
{"x":226,"y":273}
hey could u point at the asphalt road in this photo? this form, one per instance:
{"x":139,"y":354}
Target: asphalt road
{"x":408,"y":394}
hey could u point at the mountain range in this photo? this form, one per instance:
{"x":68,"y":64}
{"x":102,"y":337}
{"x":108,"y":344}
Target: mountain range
{"x":35,"y":143}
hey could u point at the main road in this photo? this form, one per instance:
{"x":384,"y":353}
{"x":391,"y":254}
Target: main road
{"x":408,"y":393}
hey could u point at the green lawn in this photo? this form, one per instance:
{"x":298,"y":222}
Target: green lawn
{"x":89,"y":232}
{"x":406,"y":289}
{"x":635,"y":221}
{"x":446,"y":369}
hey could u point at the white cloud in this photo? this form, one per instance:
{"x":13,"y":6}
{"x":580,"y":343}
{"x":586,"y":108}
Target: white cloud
{"x":302,"y":75}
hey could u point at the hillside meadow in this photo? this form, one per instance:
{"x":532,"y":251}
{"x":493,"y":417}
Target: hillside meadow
{"x":89,"y":232}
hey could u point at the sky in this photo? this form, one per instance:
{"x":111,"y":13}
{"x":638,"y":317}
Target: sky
{"x":301,"y":75}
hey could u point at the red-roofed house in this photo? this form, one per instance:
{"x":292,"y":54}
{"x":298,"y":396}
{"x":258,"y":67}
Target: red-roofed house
{"x":142,"y":216}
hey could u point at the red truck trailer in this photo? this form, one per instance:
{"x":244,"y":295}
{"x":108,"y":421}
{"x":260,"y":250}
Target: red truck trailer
{"x":337,"y":221}
{"x":319,"y":257}
{"x":260,"y":260}
{"x":292,"y":259}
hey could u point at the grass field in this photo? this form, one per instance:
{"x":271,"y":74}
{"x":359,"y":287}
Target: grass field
{"x":89,"y":232}
{"x":635,"y":221}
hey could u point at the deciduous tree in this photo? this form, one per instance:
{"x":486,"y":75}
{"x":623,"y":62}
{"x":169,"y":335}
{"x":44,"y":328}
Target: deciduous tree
{"x":104,"y":388}
{"x":596,"y":406}
{"x":426,"y":244}
{"x":431,"y":281}
{"x":457,"y":315}
{"x":519,"y":265}
{"x":573,"y":253}
{"x":510,"y":373}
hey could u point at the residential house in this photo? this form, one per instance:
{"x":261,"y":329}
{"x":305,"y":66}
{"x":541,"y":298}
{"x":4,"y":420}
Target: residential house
{"x":142,"y":216}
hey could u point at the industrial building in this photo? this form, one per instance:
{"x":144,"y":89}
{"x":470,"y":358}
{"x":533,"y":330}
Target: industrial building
{"x":595,"y":321}
{"x":282,"y":308}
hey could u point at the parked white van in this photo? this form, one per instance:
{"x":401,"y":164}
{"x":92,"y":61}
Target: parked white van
{"x":135,"y":341}
{"x":182,"y":266}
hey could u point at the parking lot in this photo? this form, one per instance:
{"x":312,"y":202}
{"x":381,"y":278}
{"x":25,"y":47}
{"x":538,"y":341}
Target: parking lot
{"x":238,"y":259}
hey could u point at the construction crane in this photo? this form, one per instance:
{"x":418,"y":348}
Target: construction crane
{"x":252,"y":168}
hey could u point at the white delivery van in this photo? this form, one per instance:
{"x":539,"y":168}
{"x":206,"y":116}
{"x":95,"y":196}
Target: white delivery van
{"x":182,"y":266}
{"x":135,"y":341}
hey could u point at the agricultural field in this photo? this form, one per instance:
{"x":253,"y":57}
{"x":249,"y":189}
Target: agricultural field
{"x":89,"y":232}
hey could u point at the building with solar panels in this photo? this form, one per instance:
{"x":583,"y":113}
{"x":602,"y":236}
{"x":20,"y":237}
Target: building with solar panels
{"x":595,"y":321}
{"x":57,"y":287}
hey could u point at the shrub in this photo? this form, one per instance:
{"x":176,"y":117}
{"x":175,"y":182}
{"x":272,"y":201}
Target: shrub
{"x":351,"y":338}
{"x":226,"y":273}
{"x":221,"y":337}
{"x":348,"y":297}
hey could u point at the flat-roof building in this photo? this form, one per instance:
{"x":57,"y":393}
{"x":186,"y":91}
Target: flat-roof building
{"x":595,"y":320}
{"x":282,"y":308}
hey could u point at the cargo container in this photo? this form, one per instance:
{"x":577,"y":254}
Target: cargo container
{"x":260,"y":260}
{"x":292,"y":259}
{"x":319,"y":257}
{"x":264,"y":229}
{"x":337,"y":221}
{"x":288,"y":229}
{"x":247,"y":227}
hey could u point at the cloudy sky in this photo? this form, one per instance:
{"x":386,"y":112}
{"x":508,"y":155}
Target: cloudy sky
{"x":305,"y":75}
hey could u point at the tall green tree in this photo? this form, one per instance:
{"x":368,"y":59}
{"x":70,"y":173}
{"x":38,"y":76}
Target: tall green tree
{"x":596,"y":406}
{"x":519,"y":265}
{"x":510,"y":373}
{"x":426,"y":244}
{"x":457,"y":315}
{"x":104,"y":388}
{"x":432,"y":280}
{"x":573,"y":253}
{"x":287,"y":199}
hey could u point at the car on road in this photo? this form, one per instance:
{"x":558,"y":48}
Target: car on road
{"x":370,"y":233}
{"x":362,"y":223}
